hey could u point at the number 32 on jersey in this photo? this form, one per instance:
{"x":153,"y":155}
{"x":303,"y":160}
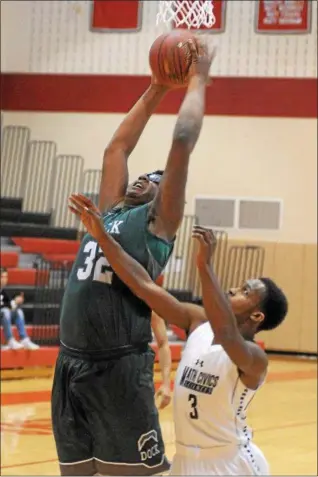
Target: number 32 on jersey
{"x":101,"y":271}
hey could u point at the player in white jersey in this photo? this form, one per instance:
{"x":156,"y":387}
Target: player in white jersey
{"x":221,"y":366}
{"x":210,"y":403}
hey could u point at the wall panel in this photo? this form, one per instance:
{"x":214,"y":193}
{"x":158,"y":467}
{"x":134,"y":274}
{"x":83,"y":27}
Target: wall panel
{"x":55,"y":37}
{"x":308,"y":335}
{"x":288,"y":272}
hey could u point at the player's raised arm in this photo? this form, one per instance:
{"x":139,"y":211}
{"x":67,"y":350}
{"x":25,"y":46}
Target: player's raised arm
{"x":186,"y":316}
{"x":168,"y":207}
{"x":248,"y":356}
{"x":114,"y":171}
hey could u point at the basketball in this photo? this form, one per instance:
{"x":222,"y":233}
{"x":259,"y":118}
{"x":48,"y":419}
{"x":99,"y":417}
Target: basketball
{"x":170,"y":57}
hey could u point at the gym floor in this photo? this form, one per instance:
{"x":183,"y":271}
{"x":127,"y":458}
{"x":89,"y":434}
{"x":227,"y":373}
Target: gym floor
{"x":283,"y":415}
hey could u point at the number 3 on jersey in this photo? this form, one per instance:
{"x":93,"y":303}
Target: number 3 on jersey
{"x":102,"y":271}
{"x":194,"y":403}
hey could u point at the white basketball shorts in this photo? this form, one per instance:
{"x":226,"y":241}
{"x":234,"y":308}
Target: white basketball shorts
{"x":223,"y":460}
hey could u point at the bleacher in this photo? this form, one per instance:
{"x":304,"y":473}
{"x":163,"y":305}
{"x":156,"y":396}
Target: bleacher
{"x":40,"y":239}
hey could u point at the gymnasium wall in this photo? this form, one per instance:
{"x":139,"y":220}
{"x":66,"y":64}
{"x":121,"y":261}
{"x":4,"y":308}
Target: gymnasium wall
{"x":243,"y":157}
{"x":56,"y":37}
{"x":72,"y":85}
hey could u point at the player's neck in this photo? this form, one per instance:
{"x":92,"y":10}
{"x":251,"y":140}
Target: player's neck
{"x":123,"y":203}
{"x":130,"y":202}
{"x":248,"y":334}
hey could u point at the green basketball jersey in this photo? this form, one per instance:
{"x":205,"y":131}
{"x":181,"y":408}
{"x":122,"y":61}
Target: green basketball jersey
{"x":98,"y":311}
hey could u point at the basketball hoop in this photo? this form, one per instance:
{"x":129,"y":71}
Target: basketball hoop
{"x":193,"y":14}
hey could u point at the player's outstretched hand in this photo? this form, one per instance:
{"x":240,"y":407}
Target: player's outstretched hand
{"x":155,"y":83}
{"x":202,"y":56}
{"x":88,"y":213}
{"x":164,"y":396}
{"x":207,"y":244}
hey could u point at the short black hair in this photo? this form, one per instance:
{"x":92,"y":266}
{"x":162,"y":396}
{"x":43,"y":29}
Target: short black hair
{"x":3,"y":270}
{"x":274,"y":306}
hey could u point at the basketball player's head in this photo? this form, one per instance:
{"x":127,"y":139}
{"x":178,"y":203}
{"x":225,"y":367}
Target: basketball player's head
{"x":144,"y":189}
{"x":258,"y":305}
{"x":4,"y":277}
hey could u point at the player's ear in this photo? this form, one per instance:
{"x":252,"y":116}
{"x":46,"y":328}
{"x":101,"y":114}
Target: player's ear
{"x":257,"y":317}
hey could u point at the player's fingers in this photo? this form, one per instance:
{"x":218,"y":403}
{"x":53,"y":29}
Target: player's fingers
{"x":199,"y":229}
{"x":74,"y":204}
{"x":93,"y":213}
{"x":211,"y":235}
{"x":198,"y":237}
{"x":158,"y":393}
{"x":75,"y":198}
{"x":193,"y":47}
{"x":82,"y":199}
{"x":202,"y":240}
{"x":78,"y":204}
{"x":74,"y":211}
{"x":203,"y":237}
{"x":80,"y":211}
{"x":165,"y":402}
{"x":203,"y":230}
{"x":87,"y":201}
{"x":207,"y":237}
{"x":162,"y":403}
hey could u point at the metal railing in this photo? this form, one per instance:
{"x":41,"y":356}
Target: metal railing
{"x":14,"y":146}
{"x":51,"y":280}
{"x":90,"y":188}
{"x":243,"y":262}
{"x":39,"y":180}
{"x":91,"y":183}
{"x":178,"y":274}
{"x":68,"y":177}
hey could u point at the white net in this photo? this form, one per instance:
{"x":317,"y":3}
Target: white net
{"x":193,"y":14}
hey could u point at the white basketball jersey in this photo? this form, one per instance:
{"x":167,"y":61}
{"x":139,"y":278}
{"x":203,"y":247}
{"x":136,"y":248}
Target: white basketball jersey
{"x":210,"y":401}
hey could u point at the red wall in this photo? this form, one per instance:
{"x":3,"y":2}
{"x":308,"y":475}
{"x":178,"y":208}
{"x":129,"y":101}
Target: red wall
{"x":232,"y":96}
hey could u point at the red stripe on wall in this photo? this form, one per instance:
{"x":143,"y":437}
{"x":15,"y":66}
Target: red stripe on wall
{"x":265,"y":97}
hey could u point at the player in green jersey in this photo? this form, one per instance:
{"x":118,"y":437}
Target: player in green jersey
{"x":103,"y":411}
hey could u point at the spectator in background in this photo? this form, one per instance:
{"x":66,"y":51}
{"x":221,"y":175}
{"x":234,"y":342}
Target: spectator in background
{"x":11,"y":311}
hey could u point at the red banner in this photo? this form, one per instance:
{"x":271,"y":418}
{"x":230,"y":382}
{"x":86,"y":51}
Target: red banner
{"x":115,"y":15}
{"x":275,"y":16}
{"x":219,"y":13}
